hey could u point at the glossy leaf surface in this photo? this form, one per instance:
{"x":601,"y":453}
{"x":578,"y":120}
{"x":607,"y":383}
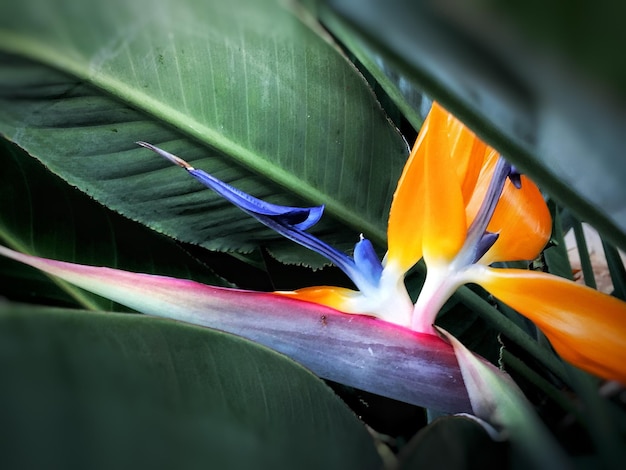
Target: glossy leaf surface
{"x":90,"y":390}
{"x":243,"y":90}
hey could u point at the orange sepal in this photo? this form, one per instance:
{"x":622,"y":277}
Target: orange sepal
{"x":466,"y":152}
{"x":586,"y":327}
{"x":404,"y":229}
{"x":456,"y":159}
{"x":335,"y":297}
{"x":523,"y":221}
{"x":444,"y":220}
{"x":521,"y":218}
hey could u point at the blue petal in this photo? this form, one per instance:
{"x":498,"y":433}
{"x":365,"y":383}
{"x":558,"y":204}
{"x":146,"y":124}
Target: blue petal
{"x":515,"y":177}
{"x":486,"y":242}
{"x":478,"y":227}
{"x":367,"y":261}
{"x":288,"y":221}
{"x":298,"y":217}
{"x":478,"y":239}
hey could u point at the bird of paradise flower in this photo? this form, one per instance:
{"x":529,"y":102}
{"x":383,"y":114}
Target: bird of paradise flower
{"x":461,"y":207}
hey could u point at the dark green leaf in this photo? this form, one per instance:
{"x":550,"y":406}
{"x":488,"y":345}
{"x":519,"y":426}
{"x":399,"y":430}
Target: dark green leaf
{"x":583,"y":252}
{"x":405,"y":94}
{"x":88,"y":390}
{"x":241,"y":89}
{"x":556,"y":256}
{"x":616,"y":268}
{"x":453,"y":443}
{"x":550,"y":117}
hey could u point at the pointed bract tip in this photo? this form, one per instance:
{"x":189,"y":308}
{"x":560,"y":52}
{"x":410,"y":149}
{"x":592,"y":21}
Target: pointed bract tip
{"x":515,"y":176}
{"x":171,"y":157}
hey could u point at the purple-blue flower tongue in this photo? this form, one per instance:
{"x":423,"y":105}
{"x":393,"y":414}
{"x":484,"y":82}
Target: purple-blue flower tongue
{"x":290,"y":222}
{"x":298,"y":217}
{"x":479,"y":240}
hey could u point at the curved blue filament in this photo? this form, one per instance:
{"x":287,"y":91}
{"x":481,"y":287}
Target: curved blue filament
{"x":297,"y":217}
{"x":364,"y":269}
{"x":479,"y":240}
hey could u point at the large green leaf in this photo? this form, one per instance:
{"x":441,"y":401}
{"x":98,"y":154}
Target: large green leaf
{"x":454,"y":442}
{"x":242,"y":89}
{"x":87,"y":390}
{"x":554,"y":117}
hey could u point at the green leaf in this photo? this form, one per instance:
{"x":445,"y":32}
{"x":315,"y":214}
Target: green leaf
{"x":453,"y":442}
{"x":615,"y":264}
{"x":89,"y":390}
{"x":50,"y":218}
{"x":583,"y":252}
{"x":604,"y":421}
{"x":556,"y":256}
{"x":549,"y":116}
{"x":404,"y":93}
{"x":241,"y":89}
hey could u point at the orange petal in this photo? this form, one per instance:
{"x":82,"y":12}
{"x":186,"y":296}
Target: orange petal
{"x":444,"y":220}
{"x":521,"y":217}
{"x":523,"y":221}
{"x":338,"y":298}
{"x":456,"y":160}
{"x":467,"y":153}
{"x":490,"y":158}
{"x":404,"y":230}
{"x":586,"y":327}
